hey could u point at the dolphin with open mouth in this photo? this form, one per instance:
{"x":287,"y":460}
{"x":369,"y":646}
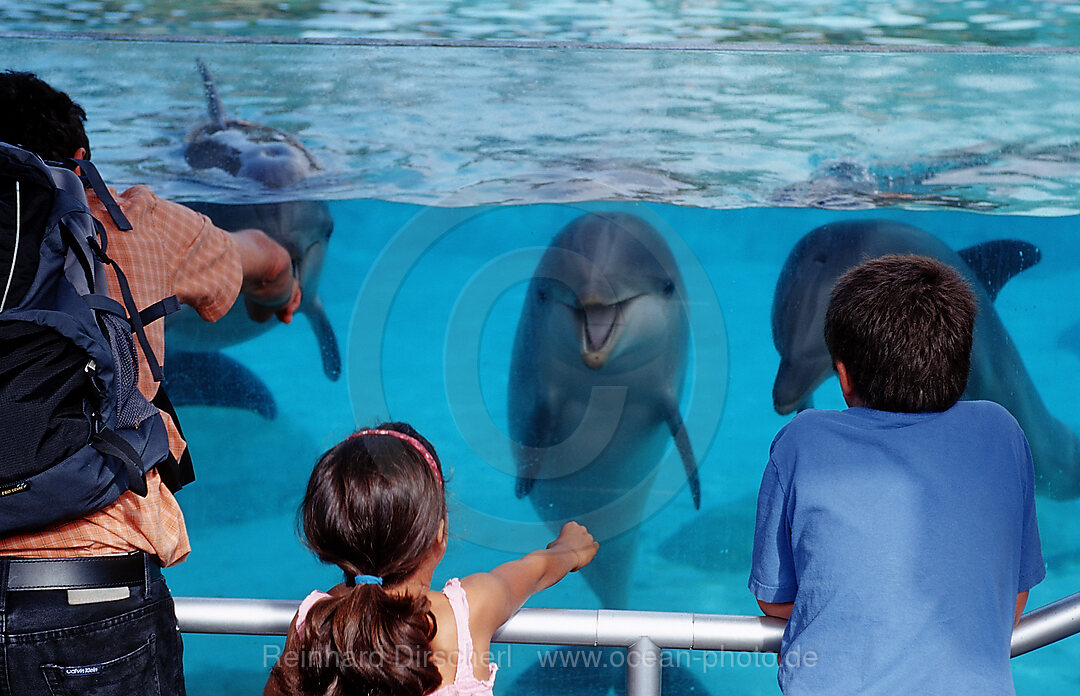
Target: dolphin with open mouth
{"x":597,"y":371}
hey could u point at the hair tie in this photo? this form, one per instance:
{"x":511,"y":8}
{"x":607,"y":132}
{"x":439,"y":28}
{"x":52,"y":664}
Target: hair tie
{"x":417,"y":445}
{"x":367,"y":580}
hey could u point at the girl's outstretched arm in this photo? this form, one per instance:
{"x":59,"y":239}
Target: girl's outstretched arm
{"x":496,"y":595}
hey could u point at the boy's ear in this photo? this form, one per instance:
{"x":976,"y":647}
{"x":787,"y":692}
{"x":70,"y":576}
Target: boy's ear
{"x":847,"y":386}
{"x":440,"y":536}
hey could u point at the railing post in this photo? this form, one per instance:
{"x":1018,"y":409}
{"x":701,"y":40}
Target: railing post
{"x":643,"y":668}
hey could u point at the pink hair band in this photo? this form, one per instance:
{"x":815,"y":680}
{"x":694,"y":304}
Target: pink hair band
{"x":417,"y":445}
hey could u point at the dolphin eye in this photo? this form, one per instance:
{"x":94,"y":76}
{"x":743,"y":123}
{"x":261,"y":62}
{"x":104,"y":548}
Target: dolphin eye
{"x":541,"y":296}
{"x":669,"y":289}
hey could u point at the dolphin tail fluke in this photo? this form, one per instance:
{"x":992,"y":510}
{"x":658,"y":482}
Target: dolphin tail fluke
{"x":213,"y":101}
{"x":324,"y":334}
{"x":682,"y":442}
{"x":995,"y":262}
{"x":214,"y":379}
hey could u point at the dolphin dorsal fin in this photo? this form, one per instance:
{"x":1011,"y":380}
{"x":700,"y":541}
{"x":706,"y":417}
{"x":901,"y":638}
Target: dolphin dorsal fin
{"x":995,"y":262}
{"x":213,"y":101}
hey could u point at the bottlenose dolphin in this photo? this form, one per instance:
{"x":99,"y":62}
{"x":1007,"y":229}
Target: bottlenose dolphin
{"x":271,"y":159}
{"x":997,"y":372}
{"x":604,"y":319}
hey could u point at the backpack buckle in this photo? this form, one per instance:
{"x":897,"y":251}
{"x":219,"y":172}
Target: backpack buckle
{"x":95,"y":381}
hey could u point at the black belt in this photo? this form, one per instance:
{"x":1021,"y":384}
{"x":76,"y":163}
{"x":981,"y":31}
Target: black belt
{"x":82,"y":573}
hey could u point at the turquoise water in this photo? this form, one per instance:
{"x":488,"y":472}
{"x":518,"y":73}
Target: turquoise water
{"x":241,"y":513}
{"x":470,"y":159}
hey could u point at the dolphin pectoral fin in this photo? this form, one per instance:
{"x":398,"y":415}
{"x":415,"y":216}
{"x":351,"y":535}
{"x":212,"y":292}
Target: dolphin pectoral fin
{"x":682,"y":442}
{"x":523,"y":486}
{"x":530,"y":439}
{"x":995,"y":262}
{"x":324,"y":334}
{"x":214,"y":379}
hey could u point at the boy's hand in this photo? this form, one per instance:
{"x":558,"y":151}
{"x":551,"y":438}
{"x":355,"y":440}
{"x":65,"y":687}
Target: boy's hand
{"x":574,"y":538}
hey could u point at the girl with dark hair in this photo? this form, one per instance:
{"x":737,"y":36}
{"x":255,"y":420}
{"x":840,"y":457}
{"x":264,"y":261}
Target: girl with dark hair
{"x":376,"y":507}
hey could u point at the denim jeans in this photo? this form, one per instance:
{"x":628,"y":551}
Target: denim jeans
{"x":122,"y":647}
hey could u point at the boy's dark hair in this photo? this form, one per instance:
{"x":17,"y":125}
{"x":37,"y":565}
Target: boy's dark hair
{"x":373,"y":506}
{"x":39,"y":118}
{"x":902,"y":325}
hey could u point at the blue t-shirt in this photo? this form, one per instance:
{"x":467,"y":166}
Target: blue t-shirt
{"x":903,"y":540}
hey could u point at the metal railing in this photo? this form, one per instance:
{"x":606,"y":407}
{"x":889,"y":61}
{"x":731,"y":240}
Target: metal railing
{"x":642,"y":633}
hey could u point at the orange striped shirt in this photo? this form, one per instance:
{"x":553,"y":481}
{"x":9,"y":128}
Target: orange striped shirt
{"x":172,"y":250}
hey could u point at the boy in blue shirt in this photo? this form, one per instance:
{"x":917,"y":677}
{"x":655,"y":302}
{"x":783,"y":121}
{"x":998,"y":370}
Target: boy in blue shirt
{"x":898,"y":537}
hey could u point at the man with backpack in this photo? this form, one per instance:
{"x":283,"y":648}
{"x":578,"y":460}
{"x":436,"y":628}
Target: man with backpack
{"x":83,"y":605}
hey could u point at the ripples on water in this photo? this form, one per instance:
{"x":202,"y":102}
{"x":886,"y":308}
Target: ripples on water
{"x":713,"y":129}
{"x":956,"y":22}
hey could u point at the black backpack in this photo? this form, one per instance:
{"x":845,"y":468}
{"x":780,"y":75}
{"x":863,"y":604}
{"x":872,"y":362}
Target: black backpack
{"x":75,"y":431}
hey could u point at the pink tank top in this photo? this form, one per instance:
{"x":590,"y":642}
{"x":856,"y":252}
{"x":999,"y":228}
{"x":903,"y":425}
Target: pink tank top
{"x":465,"y":682}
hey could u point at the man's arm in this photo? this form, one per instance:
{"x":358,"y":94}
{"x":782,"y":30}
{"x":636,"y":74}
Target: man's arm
{"x":269,"y":286}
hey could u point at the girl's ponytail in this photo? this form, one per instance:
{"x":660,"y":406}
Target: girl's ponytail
{"x":368,"y":641}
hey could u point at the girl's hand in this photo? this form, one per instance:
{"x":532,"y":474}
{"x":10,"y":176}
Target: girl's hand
{"x":574,"y":538}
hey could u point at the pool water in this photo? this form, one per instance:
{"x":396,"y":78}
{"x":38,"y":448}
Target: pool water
{"x":448,"y":169}
{"x":909,"y":22}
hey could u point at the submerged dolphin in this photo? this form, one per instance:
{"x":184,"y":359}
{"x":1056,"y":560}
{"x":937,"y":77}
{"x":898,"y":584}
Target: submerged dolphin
{"x":271,"y":159}
{"x":997,"y":372}
{"x":605,"y":320}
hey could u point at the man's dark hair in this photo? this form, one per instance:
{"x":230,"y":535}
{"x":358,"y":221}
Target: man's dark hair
{"x":902,"y":325}
{"x":39,"y":118}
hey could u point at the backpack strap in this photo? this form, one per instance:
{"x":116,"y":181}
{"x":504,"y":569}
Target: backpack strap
{"x":175,"y":474}
{"x":104,"y":303}
{"x":159,"y":309}
{"x":91,"y":175}
{"x":108,"y":442}
{"x":133,"y":315}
